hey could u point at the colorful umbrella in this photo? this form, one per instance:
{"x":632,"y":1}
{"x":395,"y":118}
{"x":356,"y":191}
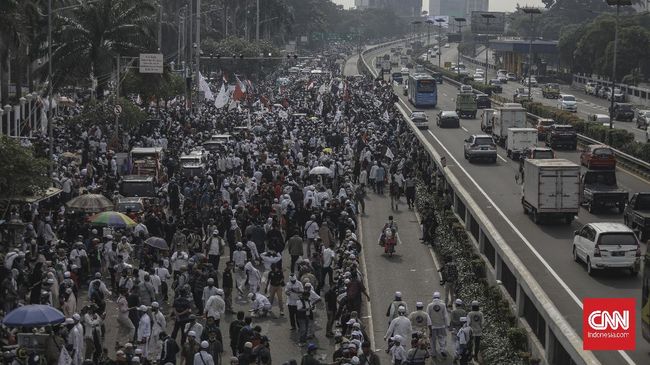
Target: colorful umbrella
{"x":90,"y":203}
{"x":112,"y":219}
{"x":35,"y":315}
{"x":157,"y":242}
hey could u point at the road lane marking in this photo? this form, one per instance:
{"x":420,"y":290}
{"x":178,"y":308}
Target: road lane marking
{"x":523,"y":238}
{"x":465,"y":129}
{"x":502,"y":159}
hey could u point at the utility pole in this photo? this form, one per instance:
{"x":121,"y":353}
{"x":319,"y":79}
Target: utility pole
{"x":618,"y":4}
{"x":531,"y":12}
{"x":487,"y":18}
{"x":460,"y":22}
{"x":198,"y":48}
{"x":439,"y":21}
{"x":50,"y":111}
{"x":257,"y":24}
{"x":160,"y":19}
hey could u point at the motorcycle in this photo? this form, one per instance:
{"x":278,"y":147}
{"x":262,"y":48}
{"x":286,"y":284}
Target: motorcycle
{"x":388,"y":240}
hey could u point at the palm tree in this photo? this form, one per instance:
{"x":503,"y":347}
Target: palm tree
{"x":10,"y":35}
{"x":89,"y":40}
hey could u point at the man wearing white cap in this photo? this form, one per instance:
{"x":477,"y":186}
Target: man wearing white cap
{"x":158,"y":325}
{"x":437,"y":311}
{"x":260,"y":305}
{"x":144,"y":330}
{"x":215,"y":246}
{"x":454,"y":323}
{"x":215,"y":307}
{"x":397,"y":350}
{"x":401,"y":325}
{"x":203,"y":357}
{"x":420,"y":319}
{"x":208,"y":291}
{"x":464,"y":342}
{"x":391,"y":313}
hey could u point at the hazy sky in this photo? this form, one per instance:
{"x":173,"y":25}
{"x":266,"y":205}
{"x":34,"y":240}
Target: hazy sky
{"x":495,"y":5}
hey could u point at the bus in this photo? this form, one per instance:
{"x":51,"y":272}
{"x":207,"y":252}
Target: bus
{"x":645,"y":298}
{"x":422,"y":91}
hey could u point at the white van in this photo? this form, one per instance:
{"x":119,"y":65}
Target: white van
{"x":607,"y":245}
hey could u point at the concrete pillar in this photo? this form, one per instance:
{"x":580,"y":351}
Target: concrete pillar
{"x":481,"y":241}
{"x":498,"y":264}
{"x":519,"y":301}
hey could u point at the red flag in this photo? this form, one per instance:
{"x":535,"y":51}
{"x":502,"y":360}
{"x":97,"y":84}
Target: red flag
{"x":285,"y":103}
{"x":238,"y":94}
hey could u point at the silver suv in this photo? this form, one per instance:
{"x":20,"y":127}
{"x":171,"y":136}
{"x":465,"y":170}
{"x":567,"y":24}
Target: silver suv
{"x":420,"y":119}
{"x":480,"y":146}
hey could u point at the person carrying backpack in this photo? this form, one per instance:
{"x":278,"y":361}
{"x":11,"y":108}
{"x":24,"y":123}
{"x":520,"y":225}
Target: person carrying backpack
{"x":449,"y":273}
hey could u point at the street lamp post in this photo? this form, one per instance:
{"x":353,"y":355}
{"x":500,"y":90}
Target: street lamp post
{"x":531,"y":12}
{"x":428,"y":22}
{"x":618,"y":4}
{"x":460,"y":22}
{"x":487,"y":18}
{"x":439,"y":21}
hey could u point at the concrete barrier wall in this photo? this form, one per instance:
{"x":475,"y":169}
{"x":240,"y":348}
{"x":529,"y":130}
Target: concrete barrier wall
{"x":560,"y":340}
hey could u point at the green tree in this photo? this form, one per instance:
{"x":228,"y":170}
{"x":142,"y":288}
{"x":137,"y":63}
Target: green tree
{"x":101,"y":113}
{"x":90,"y":39}
{"x":152,"y":86}
{"x":20,"y":172}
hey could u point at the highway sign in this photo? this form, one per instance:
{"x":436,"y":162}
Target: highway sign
{"x":117,"y":109}
{"x":151,"y":63}
{"x":483,"y":25}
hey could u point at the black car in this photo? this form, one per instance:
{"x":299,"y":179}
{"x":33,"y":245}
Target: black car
{"x":495,"y":85}
{"x":623,"y":112}
{"x":448,"y":119}
{"x":437,"y":76}
{"x":483,"y":101}
{"x":562,"y":135}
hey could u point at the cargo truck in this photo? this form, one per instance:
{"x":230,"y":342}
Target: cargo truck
{"x":506,"y":117}
{"x":519,"y":139}
{"x":551,"y":189}
{"x":637,"y":215}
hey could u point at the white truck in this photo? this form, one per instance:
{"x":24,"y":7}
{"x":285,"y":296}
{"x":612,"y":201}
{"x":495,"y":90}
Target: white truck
{"x":486,"y":120}
{"x":551,"y":188}
{"x":519,"y":139}
{"x":508,"y":116}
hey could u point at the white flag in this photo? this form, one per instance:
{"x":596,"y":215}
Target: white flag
{"x":386,"y":118}
{"x":64,"y":357}
{"x":389,"y":153}
{"x":377,"y":103}
{"x":203,"y":86}
{"x":222,"y":98}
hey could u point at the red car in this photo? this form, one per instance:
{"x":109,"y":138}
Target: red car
{"x":598,"y":156}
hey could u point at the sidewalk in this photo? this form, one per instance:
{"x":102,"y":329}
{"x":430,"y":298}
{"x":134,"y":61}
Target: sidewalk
{"x":411,"y":270}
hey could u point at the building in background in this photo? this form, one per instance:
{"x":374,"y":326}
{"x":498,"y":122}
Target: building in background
{"x":457,"y":8}
{"x":405,"y":8}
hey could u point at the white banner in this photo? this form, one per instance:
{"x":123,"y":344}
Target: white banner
{"x":203,"y":86}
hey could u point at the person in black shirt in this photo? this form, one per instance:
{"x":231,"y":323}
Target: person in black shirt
{"x":169,"y":349}
{"x":133,"y":300}
{"x":227,"y":286}
{"x":182,"y":310}
{"x":234,"y":330}
{"x":330,"y":306}
{"x":276,"y":281}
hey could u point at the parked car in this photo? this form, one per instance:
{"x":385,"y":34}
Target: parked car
{"x":420,"y":119}
{"x":495,"y":85}
{"x":511,"y":76}
{"x":502,"y":79}
{"x":642,"y":119}
{"x":607,"y":245}
{"x":598,"y":156}
{"x":618,"y":95}
{"x":447,"y":119}
{"x":567,"y":102}
{"x":590,"y":88}
{"x":602,"y":92}
{"x":479,"y":77}
{"x":480,"y":146}
{"x":623,"y":112}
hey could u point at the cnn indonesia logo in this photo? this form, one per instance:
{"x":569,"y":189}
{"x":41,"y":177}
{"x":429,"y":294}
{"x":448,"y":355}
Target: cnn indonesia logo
{"x":609,"y":323}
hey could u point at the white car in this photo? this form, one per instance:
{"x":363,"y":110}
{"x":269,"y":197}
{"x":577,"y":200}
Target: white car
{"x":567,"y":102}
{"x":465,"y":88}
{"x":420,"y":119}
{"x":590,"y":88}
{"x":607,"y":245}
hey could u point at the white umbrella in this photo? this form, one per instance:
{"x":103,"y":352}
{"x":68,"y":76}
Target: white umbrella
{"x":320,"y":170}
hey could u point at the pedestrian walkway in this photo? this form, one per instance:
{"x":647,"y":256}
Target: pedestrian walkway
{"x":411,"y":270}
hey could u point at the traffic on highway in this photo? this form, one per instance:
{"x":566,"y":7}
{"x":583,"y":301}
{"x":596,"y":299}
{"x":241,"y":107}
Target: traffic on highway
{"x":567,"y":207}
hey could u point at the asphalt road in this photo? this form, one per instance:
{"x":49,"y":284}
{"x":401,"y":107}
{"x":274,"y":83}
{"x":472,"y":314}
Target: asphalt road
{"x":412,"y":270}
{"x":587,"y":104}
{"x":545,"y":249}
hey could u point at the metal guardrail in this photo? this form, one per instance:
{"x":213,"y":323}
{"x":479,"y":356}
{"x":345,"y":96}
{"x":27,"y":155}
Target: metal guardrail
{"x":527,"y":286}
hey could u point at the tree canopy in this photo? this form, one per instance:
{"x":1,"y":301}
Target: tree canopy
{"x":21,"y":173}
